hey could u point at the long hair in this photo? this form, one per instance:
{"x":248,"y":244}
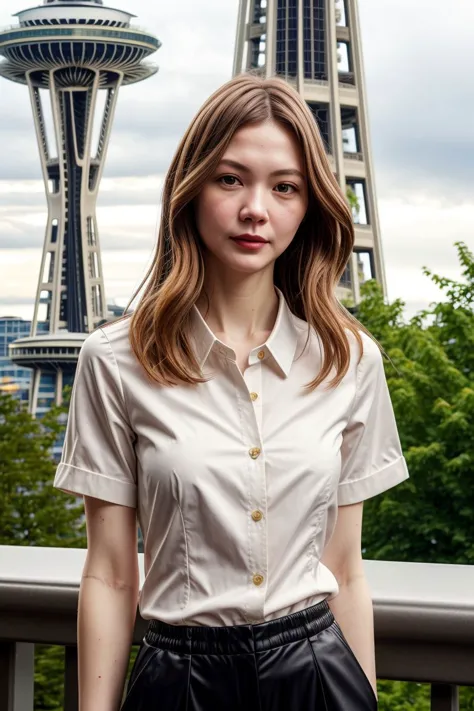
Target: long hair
{"x":307,"y":272}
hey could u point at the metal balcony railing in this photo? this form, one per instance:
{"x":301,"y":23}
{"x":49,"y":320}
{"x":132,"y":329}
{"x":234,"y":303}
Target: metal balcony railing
{"x":352,"y":155}
{"x":347,"y":79}
{"x":138,"y":28}
{"x":99,"y":33}
{"x":424,"y":622}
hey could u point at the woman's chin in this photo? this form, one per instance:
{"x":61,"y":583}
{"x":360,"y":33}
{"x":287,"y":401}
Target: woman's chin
{"x":246,"y":265}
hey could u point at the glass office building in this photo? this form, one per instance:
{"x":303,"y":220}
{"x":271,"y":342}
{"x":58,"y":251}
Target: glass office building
{"x":13,"y":378}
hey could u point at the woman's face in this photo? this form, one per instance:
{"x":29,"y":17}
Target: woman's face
{"x":258,"y":189}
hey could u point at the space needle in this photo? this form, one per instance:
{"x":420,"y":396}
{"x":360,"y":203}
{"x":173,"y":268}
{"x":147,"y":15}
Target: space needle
{"x":72,"y":49}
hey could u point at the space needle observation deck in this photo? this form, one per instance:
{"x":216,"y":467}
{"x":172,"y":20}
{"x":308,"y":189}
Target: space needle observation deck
{"x":72,"y":49}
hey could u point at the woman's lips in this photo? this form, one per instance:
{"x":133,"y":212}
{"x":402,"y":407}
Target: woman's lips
{"x":249,"y":244}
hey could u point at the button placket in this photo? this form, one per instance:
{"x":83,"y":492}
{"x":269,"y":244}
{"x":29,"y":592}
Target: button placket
{"x":253,"y":380}
{"x":256,"y":513}
{"x":257,"y":529}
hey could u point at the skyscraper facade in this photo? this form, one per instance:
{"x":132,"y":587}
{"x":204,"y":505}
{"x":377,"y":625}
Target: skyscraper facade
{"x":14,"y":380}
{"x":69,"y":51}
{"x":315,"y":45}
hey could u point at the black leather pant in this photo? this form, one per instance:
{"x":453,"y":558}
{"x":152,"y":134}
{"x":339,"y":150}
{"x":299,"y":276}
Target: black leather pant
{"x":300,"y":662}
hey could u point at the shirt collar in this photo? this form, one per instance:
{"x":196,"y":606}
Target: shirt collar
{"x":281,"y":343}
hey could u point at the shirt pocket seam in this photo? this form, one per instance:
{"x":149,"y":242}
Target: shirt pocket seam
{"x":313,"y":547}
{"x":187,"y":584}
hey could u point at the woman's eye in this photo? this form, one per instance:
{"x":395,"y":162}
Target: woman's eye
{"x":228,"y":177}
{"x":286,"y":185}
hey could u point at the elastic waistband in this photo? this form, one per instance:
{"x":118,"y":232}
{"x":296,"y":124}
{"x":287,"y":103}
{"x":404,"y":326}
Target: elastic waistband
{"x":240,"y":639}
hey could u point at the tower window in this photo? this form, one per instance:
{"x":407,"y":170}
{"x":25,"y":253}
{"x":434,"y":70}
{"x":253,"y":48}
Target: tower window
{"x":350,"y":130}
{"x":321,"y":115}
{"x":341,"y":13}
{"x":314,"y":39}
{"x":365,"y":264}
{"x":258,"y":51}
{"x":346,"y":278}
{"x":359,"y":213}
{"x":343,"y":62}
{"x":287,"y":37}
{"x":260,"y":11}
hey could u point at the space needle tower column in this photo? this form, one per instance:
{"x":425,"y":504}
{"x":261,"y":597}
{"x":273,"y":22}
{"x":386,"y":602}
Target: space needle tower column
{"x":73,"y":49}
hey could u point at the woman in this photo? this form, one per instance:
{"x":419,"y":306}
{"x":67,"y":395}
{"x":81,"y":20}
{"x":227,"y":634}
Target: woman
{"x":243,"y":415}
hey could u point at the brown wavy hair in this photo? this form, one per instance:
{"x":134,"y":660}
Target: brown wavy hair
{"x":307,"y":272}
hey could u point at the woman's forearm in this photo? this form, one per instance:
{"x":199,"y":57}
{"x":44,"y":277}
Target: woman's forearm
{"x":353,"y":611}
{"x":106,"y":619}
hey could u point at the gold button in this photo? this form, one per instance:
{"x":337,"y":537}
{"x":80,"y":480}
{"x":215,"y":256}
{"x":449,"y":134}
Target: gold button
{"x":257,"y":579}
{"x":253,"y":396}
{"x":257,"y":515}
{"x":261,"y":355}
{"x":254,"y":452}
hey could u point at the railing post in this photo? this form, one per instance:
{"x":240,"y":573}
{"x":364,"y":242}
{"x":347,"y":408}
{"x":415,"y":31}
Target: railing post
{"x":71,"y":699}
{"x":444,"y":697}
{"x":17,"y":663}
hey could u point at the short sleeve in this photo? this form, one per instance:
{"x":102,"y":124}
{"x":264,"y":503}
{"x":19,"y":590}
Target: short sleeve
{"x":371,"y":454}
{"x":98,"y":457}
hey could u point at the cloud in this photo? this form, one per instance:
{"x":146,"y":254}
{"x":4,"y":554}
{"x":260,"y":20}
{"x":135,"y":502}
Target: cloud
{"x":418,"y":67}
{"x":30,"y":194}
{"x":419,"y":100}
{"x":120,"y":228}
{"x":17,"y":300}
{"x":123,"y":272}
{"x":422,"y":232}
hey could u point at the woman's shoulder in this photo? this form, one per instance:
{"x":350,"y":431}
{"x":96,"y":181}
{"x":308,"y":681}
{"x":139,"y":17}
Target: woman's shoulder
{"x":370,"y":350}
{"x":366,"y":359}
{"x":110,"y":338}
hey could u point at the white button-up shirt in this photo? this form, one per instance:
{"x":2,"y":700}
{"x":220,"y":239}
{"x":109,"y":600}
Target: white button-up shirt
{"x":237,"y":480}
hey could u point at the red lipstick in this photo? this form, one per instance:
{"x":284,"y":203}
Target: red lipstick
{"x":248,"y":241}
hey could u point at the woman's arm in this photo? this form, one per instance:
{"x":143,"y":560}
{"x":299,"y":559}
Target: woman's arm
{"x":352,"y":607}
{"x":107,"y":604}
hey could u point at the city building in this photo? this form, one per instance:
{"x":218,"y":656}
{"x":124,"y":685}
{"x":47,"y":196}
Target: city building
{"x":315,"y":45}
{"x":14,"y":379}
{"x":72,"y":49}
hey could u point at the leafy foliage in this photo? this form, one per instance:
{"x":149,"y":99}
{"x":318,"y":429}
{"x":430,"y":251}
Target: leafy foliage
{"x":33,"y":513}
{"x":431,"y":380}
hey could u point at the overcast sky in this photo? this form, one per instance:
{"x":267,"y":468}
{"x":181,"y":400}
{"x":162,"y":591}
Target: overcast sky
{"x":418,"y":63}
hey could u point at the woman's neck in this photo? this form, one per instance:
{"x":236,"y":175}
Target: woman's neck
{"x":239,"y":314}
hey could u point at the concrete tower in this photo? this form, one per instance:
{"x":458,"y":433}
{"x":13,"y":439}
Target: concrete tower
{"x":72,"y":49}
{"x":316,"y":46}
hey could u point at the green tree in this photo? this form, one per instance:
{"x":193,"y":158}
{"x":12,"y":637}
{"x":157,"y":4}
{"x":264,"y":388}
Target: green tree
{"x":33,"y":513}
{"x":431,"y":380}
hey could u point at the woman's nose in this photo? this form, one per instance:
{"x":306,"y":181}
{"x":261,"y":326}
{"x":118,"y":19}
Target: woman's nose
{"x":254,"y":208}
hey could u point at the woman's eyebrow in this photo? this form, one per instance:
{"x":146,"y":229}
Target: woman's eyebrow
{"x":246,"y":169}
